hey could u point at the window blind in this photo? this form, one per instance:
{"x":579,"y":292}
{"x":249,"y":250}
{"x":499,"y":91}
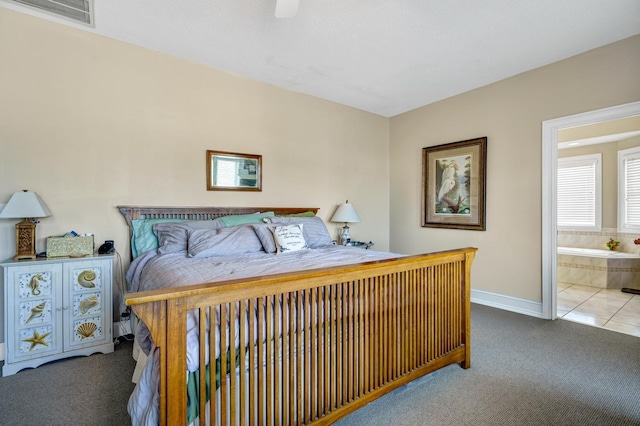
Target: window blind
{"x":632,"y":190}
{"x":578,"y":197}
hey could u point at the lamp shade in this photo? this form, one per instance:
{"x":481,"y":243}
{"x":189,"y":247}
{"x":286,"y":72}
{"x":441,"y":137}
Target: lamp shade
{"x":25,"y":204}
{"x":346,"y":213}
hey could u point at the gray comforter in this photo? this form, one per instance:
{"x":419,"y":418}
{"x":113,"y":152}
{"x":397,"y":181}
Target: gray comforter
{"x":150,"y":271}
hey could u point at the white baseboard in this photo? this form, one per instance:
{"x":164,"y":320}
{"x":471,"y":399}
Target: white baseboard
{"x":1,"y":351}
{"x":121,"y":328}
{"x":507,"y":303}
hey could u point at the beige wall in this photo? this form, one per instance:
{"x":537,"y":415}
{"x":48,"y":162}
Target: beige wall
{"x":609,"y":153}
{"x":90,"y":123}
{"x":510,"y":113}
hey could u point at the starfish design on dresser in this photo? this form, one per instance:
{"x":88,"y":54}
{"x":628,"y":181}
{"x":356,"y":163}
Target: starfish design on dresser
{"x":37,"y":339}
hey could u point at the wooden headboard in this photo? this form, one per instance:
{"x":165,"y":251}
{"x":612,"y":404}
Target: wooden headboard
{"x":202,"y":213}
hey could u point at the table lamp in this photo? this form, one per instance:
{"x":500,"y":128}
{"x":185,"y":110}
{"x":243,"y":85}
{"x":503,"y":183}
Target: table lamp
{"x":346,"y":213}
{"x":26,"y":205}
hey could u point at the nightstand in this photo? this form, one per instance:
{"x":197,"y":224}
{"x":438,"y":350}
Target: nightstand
{"x":56,"y":308}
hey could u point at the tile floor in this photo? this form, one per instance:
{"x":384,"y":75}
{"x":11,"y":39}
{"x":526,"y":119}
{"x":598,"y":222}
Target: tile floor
{"x":605,"y":308}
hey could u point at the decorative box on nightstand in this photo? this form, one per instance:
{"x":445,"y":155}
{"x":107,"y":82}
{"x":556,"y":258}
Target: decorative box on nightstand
{"x":56,"y":308}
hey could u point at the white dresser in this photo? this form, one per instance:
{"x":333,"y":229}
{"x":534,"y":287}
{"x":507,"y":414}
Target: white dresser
{"x":56,"y":308}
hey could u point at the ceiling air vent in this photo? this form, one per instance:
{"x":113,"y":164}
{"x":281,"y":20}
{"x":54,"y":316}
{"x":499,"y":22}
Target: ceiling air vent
{"x":76,"y":10}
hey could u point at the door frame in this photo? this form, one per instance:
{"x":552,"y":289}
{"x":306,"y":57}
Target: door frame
{"x":550,"y":130}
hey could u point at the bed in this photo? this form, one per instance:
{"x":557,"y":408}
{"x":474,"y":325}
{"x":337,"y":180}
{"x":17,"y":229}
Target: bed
{"x":326,"y":331}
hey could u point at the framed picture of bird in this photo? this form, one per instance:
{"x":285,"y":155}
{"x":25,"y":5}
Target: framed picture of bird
{"x":453,"y":185}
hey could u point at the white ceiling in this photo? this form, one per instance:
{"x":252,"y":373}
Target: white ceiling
{"x":381,"y":56}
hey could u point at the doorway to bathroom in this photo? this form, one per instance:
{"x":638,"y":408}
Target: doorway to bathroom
{"x":567,"y":291}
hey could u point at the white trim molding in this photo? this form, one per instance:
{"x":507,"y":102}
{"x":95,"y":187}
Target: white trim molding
{"x":1,"y":351}
{"x":507,"y":303}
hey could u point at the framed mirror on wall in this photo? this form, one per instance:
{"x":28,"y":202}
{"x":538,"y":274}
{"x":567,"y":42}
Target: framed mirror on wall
{"x":231,"y":171}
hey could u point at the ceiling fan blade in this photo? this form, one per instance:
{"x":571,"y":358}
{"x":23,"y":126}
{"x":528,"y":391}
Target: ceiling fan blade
{"x":286,"y":8}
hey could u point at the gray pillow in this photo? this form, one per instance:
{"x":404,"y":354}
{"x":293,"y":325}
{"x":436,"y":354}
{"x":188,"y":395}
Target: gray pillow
{"x":265,"y":236}
{"x":173,"y":237}
{"x":315,"y":231}
{"x":223,"y":242}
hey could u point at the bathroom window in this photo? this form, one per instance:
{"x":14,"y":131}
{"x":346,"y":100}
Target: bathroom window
{"x":629,"y":190}
{"x":580,"y":193}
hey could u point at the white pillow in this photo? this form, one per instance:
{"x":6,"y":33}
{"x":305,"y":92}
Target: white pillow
{"x":288,"y":238}
{"x":315,"y":231}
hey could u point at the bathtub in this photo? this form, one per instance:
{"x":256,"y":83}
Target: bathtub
{"x":573,"y":251}
{"x":598,"y":268}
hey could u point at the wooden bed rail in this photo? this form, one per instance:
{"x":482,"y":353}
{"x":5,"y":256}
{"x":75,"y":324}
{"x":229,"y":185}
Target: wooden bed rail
{"x":321,"y":343}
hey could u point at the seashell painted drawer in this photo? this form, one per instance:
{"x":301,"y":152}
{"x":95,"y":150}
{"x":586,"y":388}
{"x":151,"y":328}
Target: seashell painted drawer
{"x":56,"y":308}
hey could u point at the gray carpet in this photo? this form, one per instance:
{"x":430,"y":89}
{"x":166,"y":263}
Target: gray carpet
{"x":524,"y":371}
{"x":83,"y":391}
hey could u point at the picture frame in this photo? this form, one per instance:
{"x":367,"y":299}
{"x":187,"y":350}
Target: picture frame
{"x":232,"y":171}
{"x":454,"y":185}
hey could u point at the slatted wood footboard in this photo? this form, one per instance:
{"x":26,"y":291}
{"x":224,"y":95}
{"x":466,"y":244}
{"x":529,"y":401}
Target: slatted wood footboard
{"x":321,"y":343}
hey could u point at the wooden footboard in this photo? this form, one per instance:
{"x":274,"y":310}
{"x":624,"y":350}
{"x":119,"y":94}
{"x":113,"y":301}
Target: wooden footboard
{"x":322,"y":343}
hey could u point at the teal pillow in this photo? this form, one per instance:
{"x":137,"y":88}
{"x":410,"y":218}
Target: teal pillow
{"x":143,"y":238}
{"x":243,"y":219}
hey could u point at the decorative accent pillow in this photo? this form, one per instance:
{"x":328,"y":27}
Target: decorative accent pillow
{"x":223,"y":242}
{"x":243,"y":219}
{"x":315,"y":231}
{"x":143,"y":239}
{"x":288,"y":238}
{"x":173,"y":237}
